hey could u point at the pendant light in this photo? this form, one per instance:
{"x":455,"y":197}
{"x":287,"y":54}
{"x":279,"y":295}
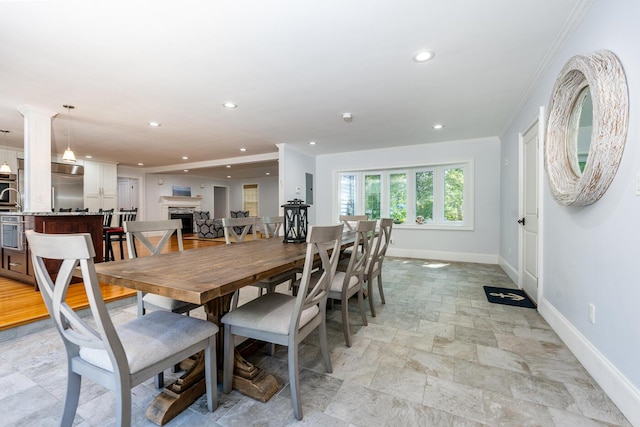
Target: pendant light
{"x":68,"y":156}
{"x":5,"y":168}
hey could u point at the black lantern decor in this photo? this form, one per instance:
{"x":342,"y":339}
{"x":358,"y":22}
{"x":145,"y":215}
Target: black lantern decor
{"x":295,"y":221}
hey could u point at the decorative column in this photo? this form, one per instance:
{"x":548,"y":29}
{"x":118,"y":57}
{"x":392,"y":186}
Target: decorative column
{"x":37,"y":159}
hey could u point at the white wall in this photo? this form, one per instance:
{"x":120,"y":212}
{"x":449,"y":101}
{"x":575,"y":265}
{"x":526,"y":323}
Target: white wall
{"x":589,"y":254}
{"x":478,"y":245}
{"x":292,"y":169}
{"x":267,"y":195}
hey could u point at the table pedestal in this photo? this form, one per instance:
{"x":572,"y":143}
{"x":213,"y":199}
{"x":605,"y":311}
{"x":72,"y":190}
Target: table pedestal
{"x":247,"y":378}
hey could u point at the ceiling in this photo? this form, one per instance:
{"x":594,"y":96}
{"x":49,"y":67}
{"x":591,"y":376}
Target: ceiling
{"x":293,"y":67}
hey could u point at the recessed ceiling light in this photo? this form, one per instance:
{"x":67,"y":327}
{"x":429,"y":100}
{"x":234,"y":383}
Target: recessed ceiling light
{"x":185,"y":157}
{"x":228,"y":166}
{"x":186,"y":170}
{"x":243,"y":149}
{"x":228,"y":176}
{"x":268,"y":173}
{"x":424,"y":55}
{"x":154,"y":124}
{"x":89,"y":157}
{"x":230,"y":105}
{"x":312,"y":143}
{"x":438,"y":126}
{"x":140,"y":164}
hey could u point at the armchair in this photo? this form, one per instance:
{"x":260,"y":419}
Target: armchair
{"x":206,"y":227}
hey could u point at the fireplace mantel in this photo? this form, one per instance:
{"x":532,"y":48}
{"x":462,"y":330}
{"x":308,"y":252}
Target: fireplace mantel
{"x":167,"y":202}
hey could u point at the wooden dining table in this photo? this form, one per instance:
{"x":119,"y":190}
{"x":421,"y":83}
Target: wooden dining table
{"x":208,"y":276}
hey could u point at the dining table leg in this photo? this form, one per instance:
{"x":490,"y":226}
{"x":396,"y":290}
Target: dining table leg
{"x":248,"y":379}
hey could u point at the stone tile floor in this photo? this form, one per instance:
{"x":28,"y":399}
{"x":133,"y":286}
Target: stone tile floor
{"x":437,"y":354}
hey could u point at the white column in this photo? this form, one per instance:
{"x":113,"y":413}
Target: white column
{"x":37,"y":159}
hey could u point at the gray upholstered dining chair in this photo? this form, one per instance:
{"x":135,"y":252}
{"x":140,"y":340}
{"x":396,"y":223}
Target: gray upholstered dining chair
{"x":135,"y":233}
{"x":350,"y":221}
{"x":285,"y":319}
{"x":374,"y":266}
{"x":348,"y":283}
{"x":116,"y":357}
{"x":232,"y":226}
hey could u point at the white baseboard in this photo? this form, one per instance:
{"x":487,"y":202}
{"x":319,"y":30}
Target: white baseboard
{"x":621,"y":391}
{"x":510,"y":270}
{"x":444,"y":256}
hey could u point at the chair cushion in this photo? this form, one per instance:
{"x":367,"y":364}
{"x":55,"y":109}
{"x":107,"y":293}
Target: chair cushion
{"x":269,"y":313}
{"x":152,"y":338}
{"x":164,"y":302}
{"x":338,"y":281}
{"x":116,"y":230}
{"x":239,"y":214}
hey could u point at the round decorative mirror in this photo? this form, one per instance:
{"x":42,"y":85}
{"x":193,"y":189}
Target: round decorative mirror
{"x":586,"y":128}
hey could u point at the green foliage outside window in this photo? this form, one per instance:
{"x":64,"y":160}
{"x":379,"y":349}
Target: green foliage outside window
{"x":454,"y":194}
{"x":398,"y":196}
{"x":372,"y":193}
{"x":424,"y":195}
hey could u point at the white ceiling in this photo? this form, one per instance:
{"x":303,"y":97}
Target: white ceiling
{"x":292,"y":66}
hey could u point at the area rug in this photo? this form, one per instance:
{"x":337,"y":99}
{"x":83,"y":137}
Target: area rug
{"x":508,"y":296}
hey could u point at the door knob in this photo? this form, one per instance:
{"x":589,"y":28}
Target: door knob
{"x":521,"y":221}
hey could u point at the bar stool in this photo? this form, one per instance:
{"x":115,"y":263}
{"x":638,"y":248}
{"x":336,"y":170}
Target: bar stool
{"x":117,"y":234}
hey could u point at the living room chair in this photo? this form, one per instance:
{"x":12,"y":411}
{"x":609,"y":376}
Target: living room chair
{"x":206,"y":227}
{"x":285,"y":319}
{"x":351,"y":282}
{"x":374,"y":266}
{"x":118,"y":358}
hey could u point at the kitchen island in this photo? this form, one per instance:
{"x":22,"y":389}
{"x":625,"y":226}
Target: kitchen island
{"x":16,"y":259}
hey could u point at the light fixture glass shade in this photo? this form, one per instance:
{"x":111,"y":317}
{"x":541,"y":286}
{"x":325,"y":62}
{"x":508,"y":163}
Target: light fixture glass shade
{"x":68,"y":156}
{"x":5,"y":168}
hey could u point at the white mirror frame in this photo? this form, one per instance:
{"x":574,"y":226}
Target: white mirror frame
{"x":603,"y":73}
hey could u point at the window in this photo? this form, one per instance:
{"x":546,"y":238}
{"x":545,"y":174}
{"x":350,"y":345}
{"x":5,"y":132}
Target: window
{"x":250,"y":199}
{"x":431,"y":196}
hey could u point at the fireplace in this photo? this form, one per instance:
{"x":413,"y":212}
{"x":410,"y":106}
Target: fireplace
{"x":177,"y":207}
{"x":186,"y":215}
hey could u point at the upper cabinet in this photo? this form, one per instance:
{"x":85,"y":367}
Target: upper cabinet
{"x":100,"y":185}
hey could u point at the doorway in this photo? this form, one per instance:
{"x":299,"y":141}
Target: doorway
{"x":220,"y":202}
{"x":128,"y":197}
{"x":530,"y":149}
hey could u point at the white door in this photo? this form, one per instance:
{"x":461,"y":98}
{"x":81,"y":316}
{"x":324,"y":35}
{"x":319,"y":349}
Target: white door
{"x":529,"y":220}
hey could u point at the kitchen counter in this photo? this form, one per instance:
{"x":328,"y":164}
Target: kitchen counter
{"x":52,"y":213}
{"x":16,"y":257}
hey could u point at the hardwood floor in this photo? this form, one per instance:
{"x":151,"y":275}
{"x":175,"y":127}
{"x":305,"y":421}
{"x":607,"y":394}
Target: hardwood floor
{"x":21,"y":304}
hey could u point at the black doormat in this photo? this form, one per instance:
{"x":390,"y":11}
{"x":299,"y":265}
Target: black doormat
{"x":508,"y":296}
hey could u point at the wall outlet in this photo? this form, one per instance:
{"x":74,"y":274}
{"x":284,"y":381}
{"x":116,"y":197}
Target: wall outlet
{"x":592,"y":314}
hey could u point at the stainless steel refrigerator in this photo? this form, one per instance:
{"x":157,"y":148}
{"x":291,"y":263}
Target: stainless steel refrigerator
{"x":67,"y":185}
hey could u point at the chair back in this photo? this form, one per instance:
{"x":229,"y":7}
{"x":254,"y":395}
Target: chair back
{"x":272,"y":225}
{"x":232,"y":225}
{"x":350,"y":221}
{"x":362,"y":246}
{"x":322,"y":241}
{"x":135,"y":231}
{"x":82,"y":210}
{"x":381,"y":244}
{"x":75,"y":250}
{"x":127,"y":215}
{"x":64,"y":210}
{"x":107,"y":217}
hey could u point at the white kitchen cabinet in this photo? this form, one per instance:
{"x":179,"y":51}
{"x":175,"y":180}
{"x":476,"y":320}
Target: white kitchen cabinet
{"x":100,"y":185}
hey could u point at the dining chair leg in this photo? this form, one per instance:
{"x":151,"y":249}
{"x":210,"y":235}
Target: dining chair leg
{"x":71,"y":399}
{"x":123,"y":405}
{"x":227,"y":372}
{"x":324,"y":345}
{"x":370,"y":296}
{"x":363,"y":313}
{"x":380,"y":287}
{"x":294,"y":382}
{"x":344,"y":308}
{"x":211,"y":370}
